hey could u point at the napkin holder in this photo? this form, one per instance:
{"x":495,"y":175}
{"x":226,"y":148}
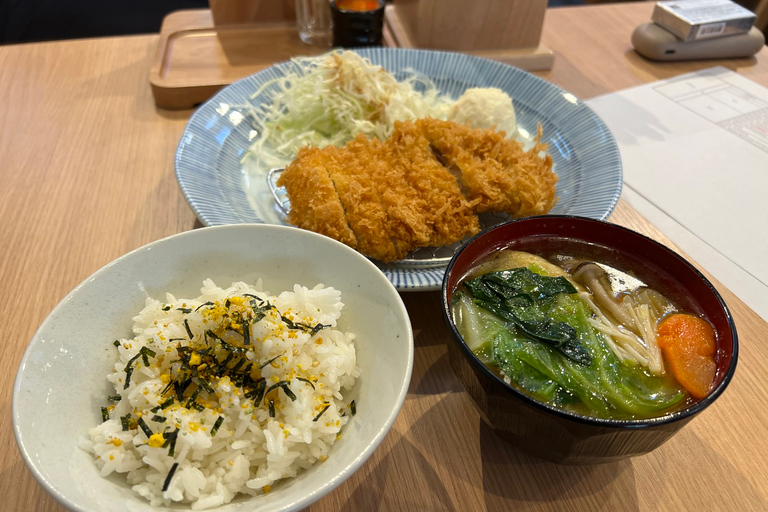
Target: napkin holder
{"x":505,"y":30}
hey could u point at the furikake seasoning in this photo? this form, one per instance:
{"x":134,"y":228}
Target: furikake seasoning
{"x":217,"y":349}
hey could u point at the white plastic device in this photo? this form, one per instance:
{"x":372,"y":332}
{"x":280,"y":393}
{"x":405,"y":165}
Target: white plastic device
{"x":655,"y":43}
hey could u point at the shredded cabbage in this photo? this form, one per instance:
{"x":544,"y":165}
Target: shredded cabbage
{"x":330,"y":100}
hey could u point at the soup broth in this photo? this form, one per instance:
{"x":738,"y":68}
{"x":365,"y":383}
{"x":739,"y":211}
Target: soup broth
{"x":586,"y":329}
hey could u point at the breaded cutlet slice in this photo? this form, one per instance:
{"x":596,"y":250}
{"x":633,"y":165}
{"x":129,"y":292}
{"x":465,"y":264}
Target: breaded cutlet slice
{"x":497,"y":174}
{"x":349,"y":168}
{"x":445,"y":208}
{"x":315,"y":205}
{"x":407,"y":213}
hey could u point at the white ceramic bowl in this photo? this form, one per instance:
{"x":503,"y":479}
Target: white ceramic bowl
{"x":61,"y":382}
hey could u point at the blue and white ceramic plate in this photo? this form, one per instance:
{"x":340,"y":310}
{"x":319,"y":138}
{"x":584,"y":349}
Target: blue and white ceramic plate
{"x":217,"y":137}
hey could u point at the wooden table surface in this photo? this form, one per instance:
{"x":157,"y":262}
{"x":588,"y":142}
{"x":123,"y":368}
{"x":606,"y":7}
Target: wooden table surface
{"x":86,"y":175}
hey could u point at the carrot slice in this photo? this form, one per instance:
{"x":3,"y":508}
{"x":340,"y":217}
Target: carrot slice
{"x":688,"y":345}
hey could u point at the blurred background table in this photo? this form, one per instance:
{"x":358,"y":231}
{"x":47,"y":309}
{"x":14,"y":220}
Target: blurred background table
{"x":86,"y":167}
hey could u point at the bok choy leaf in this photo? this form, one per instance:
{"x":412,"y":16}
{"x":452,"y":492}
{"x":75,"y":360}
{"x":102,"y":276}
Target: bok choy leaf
{"x":499,"y":330}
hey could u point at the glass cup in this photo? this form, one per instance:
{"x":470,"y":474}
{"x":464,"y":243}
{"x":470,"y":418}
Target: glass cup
{"x":313,"y":19}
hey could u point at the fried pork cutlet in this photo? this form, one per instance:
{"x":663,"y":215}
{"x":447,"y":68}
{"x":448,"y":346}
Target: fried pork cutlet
{"x":315,"y":205}
{"x":389,"y":198}
{"x":405,"y":209}
{"x":444,"y":209}
{"x":497,"y":174}
{"x":357,"y":191}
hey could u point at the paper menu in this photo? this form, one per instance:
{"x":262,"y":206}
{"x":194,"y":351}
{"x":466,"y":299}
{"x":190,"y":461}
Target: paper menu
{"x":695,"y":158}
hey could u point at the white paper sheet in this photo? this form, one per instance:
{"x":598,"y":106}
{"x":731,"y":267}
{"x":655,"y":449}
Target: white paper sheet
{"x":695,"y":157}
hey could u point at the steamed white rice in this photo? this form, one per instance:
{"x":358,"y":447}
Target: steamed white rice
{"x":251,"y":449}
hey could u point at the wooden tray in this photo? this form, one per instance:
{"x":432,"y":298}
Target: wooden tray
{"x":195,"y":58}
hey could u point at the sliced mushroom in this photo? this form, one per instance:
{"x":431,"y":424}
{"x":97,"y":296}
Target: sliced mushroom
{"x":593,"y":277}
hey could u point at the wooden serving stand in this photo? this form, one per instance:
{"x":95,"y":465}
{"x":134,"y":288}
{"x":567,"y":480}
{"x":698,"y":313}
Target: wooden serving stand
{"x":200,"y":51}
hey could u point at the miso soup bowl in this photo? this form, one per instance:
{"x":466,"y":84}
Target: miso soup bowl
{"x":549,"y":432}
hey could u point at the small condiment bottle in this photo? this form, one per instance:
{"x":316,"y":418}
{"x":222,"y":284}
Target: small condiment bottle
{"x":357,"y":22}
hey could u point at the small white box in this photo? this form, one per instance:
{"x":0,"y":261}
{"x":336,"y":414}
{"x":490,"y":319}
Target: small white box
{"x":691,"y":20}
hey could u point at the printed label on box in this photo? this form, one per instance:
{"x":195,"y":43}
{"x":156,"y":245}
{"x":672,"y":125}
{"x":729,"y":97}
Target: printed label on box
{"x":710,"y":30}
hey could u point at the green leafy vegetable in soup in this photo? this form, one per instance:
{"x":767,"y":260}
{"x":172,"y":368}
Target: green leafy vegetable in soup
{"x":529,"y":300}
{"x":538,"y":332}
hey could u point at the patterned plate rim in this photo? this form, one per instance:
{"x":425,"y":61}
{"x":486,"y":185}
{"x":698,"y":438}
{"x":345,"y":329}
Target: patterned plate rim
{"x":199,"y":180}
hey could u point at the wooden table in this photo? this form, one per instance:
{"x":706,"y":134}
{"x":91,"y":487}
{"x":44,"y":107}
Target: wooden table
{"x":86,"y":162}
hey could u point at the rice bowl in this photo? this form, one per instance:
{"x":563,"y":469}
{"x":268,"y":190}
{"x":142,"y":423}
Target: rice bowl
{"x":51,"y":437}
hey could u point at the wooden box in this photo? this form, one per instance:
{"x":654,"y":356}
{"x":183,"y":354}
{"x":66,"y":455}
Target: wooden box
{"x":471,"y":25}
{"x":249,"y":12}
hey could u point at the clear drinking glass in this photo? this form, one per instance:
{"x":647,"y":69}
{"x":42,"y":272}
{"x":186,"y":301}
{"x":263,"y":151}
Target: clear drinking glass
{"x":313,"y":19}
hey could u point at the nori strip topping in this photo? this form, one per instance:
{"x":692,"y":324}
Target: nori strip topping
{"x":271,"y":361}
{"x":223,"y":365}
{"x":189,"y":331}
{"x":144,"y":353}
{"x":170,"y":476}
{"x":167,"y":387}
{"x":125,"y":422}
{"x":209,"y":303}
{"x":206,"y":387}
{"x":283,"y":384}
{"x":170,"y":441}
{"x":302,"y":379}
{"x":216,"y":425}
{"x":327,"y":405}
{"x":258,"y":393}
{"x":300,"y":326}
{"x":224,"y":344}
{"x":192,"y":398}
{"x":288,"y":391}
{"x":277,"y":385}
{"x":144,"y":427}
{"x":180,"y":387}
{"x":240,"y":362}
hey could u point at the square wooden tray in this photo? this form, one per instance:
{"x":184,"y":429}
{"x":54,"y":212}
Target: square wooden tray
{"x":195,"y":58}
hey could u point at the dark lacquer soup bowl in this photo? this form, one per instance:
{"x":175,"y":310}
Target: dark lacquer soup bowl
{"x":565,"y":435}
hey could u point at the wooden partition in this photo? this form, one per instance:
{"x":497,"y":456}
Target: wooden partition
{"x":247,"y":12}
{"x":461,"y":25}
